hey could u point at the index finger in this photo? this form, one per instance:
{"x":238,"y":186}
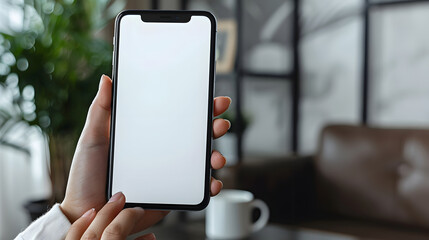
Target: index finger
{"x":80,"y":225}
{"x":220,"y":105}
{"x":123,"y":224}
{"x":105,"y":216}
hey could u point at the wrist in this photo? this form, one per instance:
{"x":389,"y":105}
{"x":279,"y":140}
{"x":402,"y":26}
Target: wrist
{"x":68,"y":212}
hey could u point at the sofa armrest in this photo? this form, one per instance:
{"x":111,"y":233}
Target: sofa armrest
{"x":286,"y":185}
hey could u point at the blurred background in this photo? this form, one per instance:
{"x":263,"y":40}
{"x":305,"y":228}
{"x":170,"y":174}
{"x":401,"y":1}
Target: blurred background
{"x":292,"y":68}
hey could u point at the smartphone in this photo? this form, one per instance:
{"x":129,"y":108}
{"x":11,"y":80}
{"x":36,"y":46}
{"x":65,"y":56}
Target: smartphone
{"x":162,"y":109}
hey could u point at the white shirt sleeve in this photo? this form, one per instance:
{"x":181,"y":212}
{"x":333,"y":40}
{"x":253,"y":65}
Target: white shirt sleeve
{"x":51,"y":226}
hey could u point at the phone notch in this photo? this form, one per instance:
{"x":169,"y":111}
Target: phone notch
{"x":167,"y":17}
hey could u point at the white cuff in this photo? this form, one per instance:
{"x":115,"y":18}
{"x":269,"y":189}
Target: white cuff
{"x":51,"y":226}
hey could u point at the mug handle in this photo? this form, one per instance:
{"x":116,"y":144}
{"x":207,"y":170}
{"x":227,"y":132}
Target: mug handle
{"x":265,"y":215}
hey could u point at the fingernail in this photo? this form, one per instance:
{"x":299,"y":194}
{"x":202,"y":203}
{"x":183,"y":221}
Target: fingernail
{"x":101,"y":81}
{"x":88,"y":213}
{"x":116,"y":197}
{"x":224,"y":158}
{"x":221,"y":184}
{"x":230,"y":99}
{"x":139,"y":208}
{"x":141,"y":212}
{"x":229,"y":123}
{"x":150,"y":236}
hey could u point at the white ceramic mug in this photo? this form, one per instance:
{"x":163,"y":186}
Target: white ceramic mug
{"x":229,"y":215}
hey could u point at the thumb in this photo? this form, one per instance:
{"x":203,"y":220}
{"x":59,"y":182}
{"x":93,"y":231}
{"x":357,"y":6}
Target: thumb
{"x":96,"y":130}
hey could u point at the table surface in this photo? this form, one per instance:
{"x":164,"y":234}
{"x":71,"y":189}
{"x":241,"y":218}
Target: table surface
{"x":196,"y":230}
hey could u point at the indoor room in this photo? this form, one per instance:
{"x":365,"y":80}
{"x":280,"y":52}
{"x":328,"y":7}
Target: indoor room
{"x":203,"y":119}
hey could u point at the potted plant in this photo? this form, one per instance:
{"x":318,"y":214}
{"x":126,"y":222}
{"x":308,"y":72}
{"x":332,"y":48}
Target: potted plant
{"x":59,"y":53}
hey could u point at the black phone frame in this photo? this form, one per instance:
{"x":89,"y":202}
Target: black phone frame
{"x":168,"y":17}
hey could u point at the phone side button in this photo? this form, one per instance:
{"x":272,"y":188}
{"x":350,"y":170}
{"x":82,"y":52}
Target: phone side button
{"x":113,"y":56}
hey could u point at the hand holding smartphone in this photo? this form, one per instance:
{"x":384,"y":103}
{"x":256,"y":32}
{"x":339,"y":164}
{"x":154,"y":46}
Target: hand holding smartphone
{"x":159,"y":58}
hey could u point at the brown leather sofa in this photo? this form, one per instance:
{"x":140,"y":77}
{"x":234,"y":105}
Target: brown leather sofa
{"x":372,"y":183}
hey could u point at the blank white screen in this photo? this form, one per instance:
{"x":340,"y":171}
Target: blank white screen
{"x":161,"y":110}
